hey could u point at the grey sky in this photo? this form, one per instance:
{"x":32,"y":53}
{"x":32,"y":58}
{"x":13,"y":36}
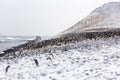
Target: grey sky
{"x":43,"y":17}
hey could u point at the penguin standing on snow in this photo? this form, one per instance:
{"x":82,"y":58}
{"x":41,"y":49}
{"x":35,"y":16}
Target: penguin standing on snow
{"x":36,"y":62}
{"x":6,"y":70}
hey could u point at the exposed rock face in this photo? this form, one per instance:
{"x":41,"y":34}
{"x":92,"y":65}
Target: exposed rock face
{"x":104,"y":18}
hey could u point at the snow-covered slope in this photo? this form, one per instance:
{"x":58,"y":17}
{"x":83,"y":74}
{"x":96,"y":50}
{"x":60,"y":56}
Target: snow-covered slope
{"x":106,"y":17}
{"x":91,"y":52}
{"x":103,"y":22}
{"x":87,"y":60}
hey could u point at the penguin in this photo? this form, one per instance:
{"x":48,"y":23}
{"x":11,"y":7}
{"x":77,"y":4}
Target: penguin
{"x":52,"y":55}
{"x":6,"y":70}
{"x":36,"y":62}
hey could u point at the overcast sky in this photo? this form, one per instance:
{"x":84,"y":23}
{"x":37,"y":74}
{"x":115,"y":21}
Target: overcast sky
{"x":43,"y":17}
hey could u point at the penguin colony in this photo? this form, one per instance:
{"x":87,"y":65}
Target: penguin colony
{"x":65,"y":39}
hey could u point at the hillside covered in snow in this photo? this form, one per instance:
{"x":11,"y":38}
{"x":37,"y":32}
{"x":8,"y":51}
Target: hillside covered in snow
{"x":89,"y":50}
{"x":87,"y":60}
{"x":104,"y":18}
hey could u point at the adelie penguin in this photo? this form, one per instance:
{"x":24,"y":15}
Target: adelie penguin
{"x":36,"y":62}
{"x":6,"y":70}
{"x":52,"y":55}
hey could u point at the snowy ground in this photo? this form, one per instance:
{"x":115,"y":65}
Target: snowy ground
{"x":86,"y":60}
